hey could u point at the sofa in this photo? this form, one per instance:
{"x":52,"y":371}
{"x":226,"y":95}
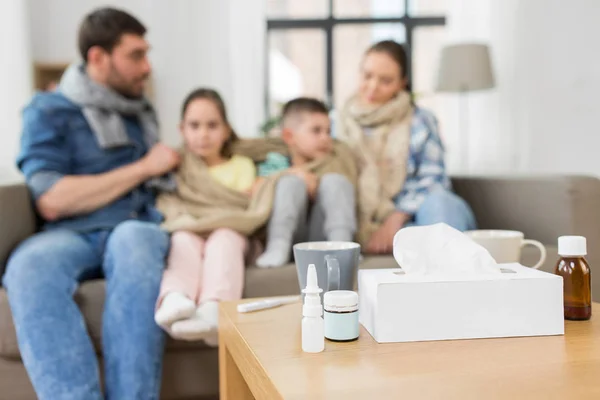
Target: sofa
{"x":541,"y":207}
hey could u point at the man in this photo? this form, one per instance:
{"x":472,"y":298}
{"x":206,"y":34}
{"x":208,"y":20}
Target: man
{"x":90,"y":157}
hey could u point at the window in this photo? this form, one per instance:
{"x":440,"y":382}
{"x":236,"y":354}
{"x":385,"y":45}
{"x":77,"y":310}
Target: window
{"x":315,"y":46}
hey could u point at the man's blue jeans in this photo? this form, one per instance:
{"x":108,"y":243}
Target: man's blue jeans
{"x":445,"y":206}
{"x":41,"y":278}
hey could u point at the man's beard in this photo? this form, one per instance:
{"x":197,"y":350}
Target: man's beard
{"x":119,"y":84}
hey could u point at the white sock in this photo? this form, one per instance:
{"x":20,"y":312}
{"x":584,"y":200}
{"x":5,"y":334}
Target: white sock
{"x":202,"y":326}
{"x":174,"y":307}
{"x":210,"y":312}
{"x":277,"y":254}
{"x":212,"y":340}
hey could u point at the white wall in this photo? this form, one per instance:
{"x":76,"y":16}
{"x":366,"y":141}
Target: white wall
{"x":195,"y":43}
{"x":15,"y":82}
{"x":543,"y":115}
{"x":560,"y":65}
{"x":54,"y":24}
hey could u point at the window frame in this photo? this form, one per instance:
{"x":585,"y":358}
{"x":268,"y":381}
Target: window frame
{"x":328,"y":23}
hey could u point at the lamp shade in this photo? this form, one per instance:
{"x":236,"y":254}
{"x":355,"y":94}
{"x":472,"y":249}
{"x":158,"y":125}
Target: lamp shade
{"x":465,"y":67}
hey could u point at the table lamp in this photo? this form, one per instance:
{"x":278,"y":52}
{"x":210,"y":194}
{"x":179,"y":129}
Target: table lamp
{"x":463,"y":68}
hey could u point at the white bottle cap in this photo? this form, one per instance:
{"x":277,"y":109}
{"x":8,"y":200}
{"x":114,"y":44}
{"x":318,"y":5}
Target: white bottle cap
{"x":572,"y":246}
{"x":340,"y":301}
{"x":312,"y":282}
{"x":312,"y":300}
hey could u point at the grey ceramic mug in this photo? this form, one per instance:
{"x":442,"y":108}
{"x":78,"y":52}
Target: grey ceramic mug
{"x":336,"y":263}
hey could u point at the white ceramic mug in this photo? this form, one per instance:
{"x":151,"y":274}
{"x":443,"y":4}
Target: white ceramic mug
{"x":505,"y":246}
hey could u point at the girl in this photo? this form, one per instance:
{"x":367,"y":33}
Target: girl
{"x":201,"y":271}
{"x":402,"y":175}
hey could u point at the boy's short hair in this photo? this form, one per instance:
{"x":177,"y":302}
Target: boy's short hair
{"x":293,"y":109}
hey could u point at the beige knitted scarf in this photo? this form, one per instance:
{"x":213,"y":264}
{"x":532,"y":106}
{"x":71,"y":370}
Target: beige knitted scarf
{"x":381,"y":155}
{"x":201,"y":204}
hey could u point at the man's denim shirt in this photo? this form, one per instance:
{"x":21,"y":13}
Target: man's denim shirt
{"x":57,"y":141}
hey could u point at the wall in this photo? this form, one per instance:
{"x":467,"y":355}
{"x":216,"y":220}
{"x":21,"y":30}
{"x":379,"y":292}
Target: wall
{"x":15,"y":81}
{"x":194,"y":43}
{"x":560,"y":78}
{"x":542,"y":117}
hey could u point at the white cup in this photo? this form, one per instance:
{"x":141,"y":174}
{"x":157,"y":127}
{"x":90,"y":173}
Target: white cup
{"x":505,"y":246}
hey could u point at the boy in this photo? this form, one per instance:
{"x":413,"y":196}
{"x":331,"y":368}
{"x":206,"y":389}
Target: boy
{"x":305,"y":207}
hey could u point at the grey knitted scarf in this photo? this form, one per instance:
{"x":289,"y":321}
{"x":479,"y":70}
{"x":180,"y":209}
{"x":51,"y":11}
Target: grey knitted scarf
{"x":103,"y":108}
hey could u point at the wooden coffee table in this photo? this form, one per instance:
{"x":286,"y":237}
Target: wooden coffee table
{"x":261,"y":358}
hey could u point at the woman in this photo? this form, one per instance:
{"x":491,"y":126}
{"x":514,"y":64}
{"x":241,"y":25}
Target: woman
{"x":403,"y":178}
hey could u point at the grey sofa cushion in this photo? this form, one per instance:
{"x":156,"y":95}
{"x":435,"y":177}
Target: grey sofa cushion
{"x":8,"y":337}
{"x":17,"y":219}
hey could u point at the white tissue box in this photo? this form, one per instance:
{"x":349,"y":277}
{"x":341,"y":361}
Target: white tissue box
{"x":397,"y":307}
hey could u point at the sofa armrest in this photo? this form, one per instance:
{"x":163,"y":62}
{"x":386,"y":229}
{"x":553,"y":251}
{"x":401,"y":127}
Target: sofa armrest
{"x":544,"y":208}
{"x":17,"y":219}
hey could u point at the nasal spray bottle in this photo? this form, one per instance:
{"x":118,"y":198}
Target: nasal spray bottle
{"x":313,"y":334}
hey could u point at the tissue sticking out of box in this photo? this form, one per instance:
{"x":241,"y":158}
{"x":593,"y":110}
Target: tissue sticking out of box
{"x":441,"y":249}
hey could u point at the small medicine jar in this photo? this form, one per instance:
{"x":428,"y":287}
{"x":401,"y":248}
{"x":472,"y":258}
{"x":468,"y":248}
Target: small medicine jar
{"x":341,"y":315}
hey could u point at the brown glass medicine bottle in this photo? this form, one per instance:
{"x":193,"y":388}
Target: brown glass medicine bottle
{"x":577,"y":278}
